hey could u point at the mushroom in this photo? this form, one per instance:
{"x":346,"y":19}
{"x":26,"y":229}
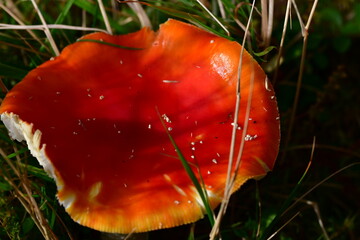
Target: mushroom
{"x":89,"y":116}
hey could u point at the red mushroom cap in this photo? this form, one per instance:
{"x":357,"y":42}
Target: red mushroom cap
{"x":89,"y":116}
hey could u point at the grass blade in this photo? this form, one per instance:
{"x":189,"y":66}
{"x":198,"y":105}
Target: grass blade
{"x":200,"y":189}
{"x":109,"y":44}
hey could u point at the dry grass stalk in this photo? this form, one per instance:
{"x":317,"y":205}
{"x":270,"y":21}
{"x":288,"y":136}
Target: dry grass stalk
{"x":49,"y":26}
{"x":24,"y":194}
{"x":105,"y":17}
{"x":240,"y":24}
{"x":46,"y":29}
{"x":267,"y":16}
{"x":281,"y":47}
{"x":140,"y":12}
{"x":20,"y":22}
{"x":305,"y":33}
{"x":213,"y":17}
{"x":221,"y":8}
{"x":231,"y":177}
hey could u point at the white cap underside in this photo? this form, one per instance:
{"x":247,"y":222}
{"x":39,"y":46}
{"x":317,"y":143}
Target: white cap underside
{"x":20,"y":131}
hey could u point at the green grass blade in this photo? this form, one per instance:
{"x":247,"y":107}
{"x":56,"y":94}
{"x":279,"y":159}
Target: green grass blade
{"x":285,"y":205}
{"x":258,"y":211}
{"x":263,"y":53}
{"x":21,"y":151}
{"x":64,"y":12}
{"x":191,"y":174}
{"x":92,"y":8}
{"x":109,"y":44}
{"x":209,"y":29}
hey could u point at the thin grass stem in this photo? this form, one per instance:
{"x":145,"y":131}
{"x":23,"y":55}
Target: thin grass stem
{"x":105,"y":17}
{"x":213,"y":16}
{"x":108,"y":44}
{"x":286,"y":223}
{"x":320,"y":183}
{"x":258,"y":211}
{"x":140,"y":12}
{"x":302,"y":25}
{"x":316,"y":209}
{"x":264,"y":20}
{"x":323,"y":146}
{"x":231,"y":177}
{"x":297,"y":200}
{"x":271,"y":21}
{"x":46,"y":29}
{"x":300,"y":76}
{"x":240,"y":24}
{"x":284,"y":208}
{"x":281,"y":47}
{"x":49,"y":26}
{"x":18,"y":20}
{"x":27,"y":199}
{"x":201,"y":191}
{"x":221,"y":8}
{"x":311,"y":15}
